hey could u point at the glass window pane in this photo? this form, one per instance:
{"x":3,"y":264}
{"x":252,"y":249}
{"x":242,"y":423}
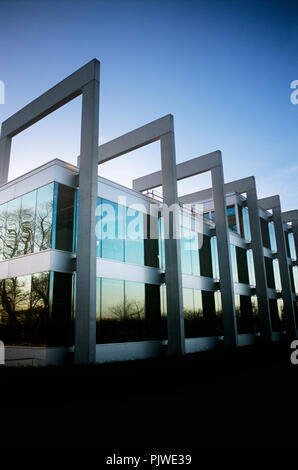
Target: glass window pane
{"x":214,"y":255}
{"x":3,"y":223}
{"x":292,"y":246}
{"x":246,"y":224}
{"x":28,"y":223}
{"x":185,"y":251}
{"x":12,"y":242}
{"x":251,"y":268}
{"x":234,"y":263}
{"x":269,"y":272}
{"x":161,"y":244}
{"x":16,"y":322}
{"x":242,"y":266}
{"x":277,"y":279}
{"x":44,"y":217}
{"x":59,"y":325}
{"x":112,"y":233}
{"x":64,"y":217}
{"x":205,"y":258}
{"x":272,"y":238}
{"x":134,"y":240}
{"x":112,"y":311}
{"x":134,"y":301}
{"x":40,"y":304}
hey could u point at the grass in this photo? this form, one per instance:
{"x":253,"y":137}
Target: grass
{"x":216,"y":399}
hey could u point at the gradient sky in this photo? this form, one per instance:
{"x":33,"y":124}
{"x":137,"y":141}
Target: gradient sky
{"x":222,"y":68}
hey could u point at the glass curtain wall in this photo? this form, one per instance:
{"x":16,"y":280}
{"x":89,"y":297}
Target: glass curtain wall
{"x":37,"y":221}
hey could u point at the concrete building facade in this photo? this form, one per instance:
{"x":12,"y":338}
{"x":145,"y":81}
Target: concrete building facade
{"x":97,"y":271}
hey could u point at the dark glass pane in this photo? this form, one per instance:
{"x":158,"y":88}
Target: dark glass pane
{"x":269,"y":273}
{"x":112,"y":222}
{"x":211,"y":318}
{"x":59,"y":325}
{"x":64,"y":217}
{"x":242,"y":265}
{"x":205,"y":257}
{"x":134,"y":240}
{"x":265,"y":233}
{"x":153,"y":241}
{"x":28,"y":223}
{"x":44,"y":217}
{"x":156,"y":327}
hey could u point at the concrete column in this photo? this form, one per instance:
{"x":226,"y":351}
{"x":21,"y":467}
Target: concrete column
{"x":224,"y":259}
{"x":85,"y":321}
{"x":173,"y":276}
{"x":284,"y":270}
{"x":259,"y":265}
{"x":5,"y":149}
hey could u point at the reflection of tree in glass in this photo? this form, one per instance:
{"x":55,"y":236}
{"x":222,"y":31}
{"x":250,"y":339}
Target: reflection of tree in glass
{"x":14,"y":298}
{"x":43,"y":228}
{"x":134,"y":310}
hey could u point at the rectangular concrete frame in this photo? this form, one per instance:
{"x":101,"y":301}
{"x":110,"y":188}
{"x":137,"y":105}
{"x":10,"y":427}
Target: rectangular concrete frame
{"x":163,"y":130}
{"x":210,"y":162}
{"x":248,"y":186}
{"x":84,"y":81}
{"x":273,"y":203}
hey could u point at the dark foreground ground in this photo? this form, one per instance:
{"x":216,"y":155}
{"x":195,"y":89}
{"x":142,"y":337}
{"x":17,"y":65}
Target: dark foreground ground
{"x":217,"y":399}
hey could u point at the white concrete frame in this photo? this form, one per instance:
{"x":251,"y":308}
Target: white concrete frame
{"x":85,"y":82}
{"x":210,"y":162}
{"x":273,"y":203}
{"x":248,"y":186}
{"x":163,"y":130}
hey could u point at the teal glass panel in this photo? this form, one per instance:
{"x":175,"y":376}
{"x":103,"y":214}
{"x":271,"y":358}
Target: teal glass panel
{"x":292,"y":248}
{"x":272,"y":237}
{"x":214,"y":257}
{"x":112,"y":230}
{"x":234,"y":263}
{"x":185,"y":250}
{"x":246,"y":224}
{"x":134,"y":240}
{"x":276,"y":273}
{"x":161,"y":244}
{"x":251,"y":268}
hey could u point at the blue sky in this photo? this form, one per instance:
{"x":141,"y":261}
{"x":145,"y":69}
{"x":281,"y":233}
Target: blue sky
{"x":222,"y":68}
